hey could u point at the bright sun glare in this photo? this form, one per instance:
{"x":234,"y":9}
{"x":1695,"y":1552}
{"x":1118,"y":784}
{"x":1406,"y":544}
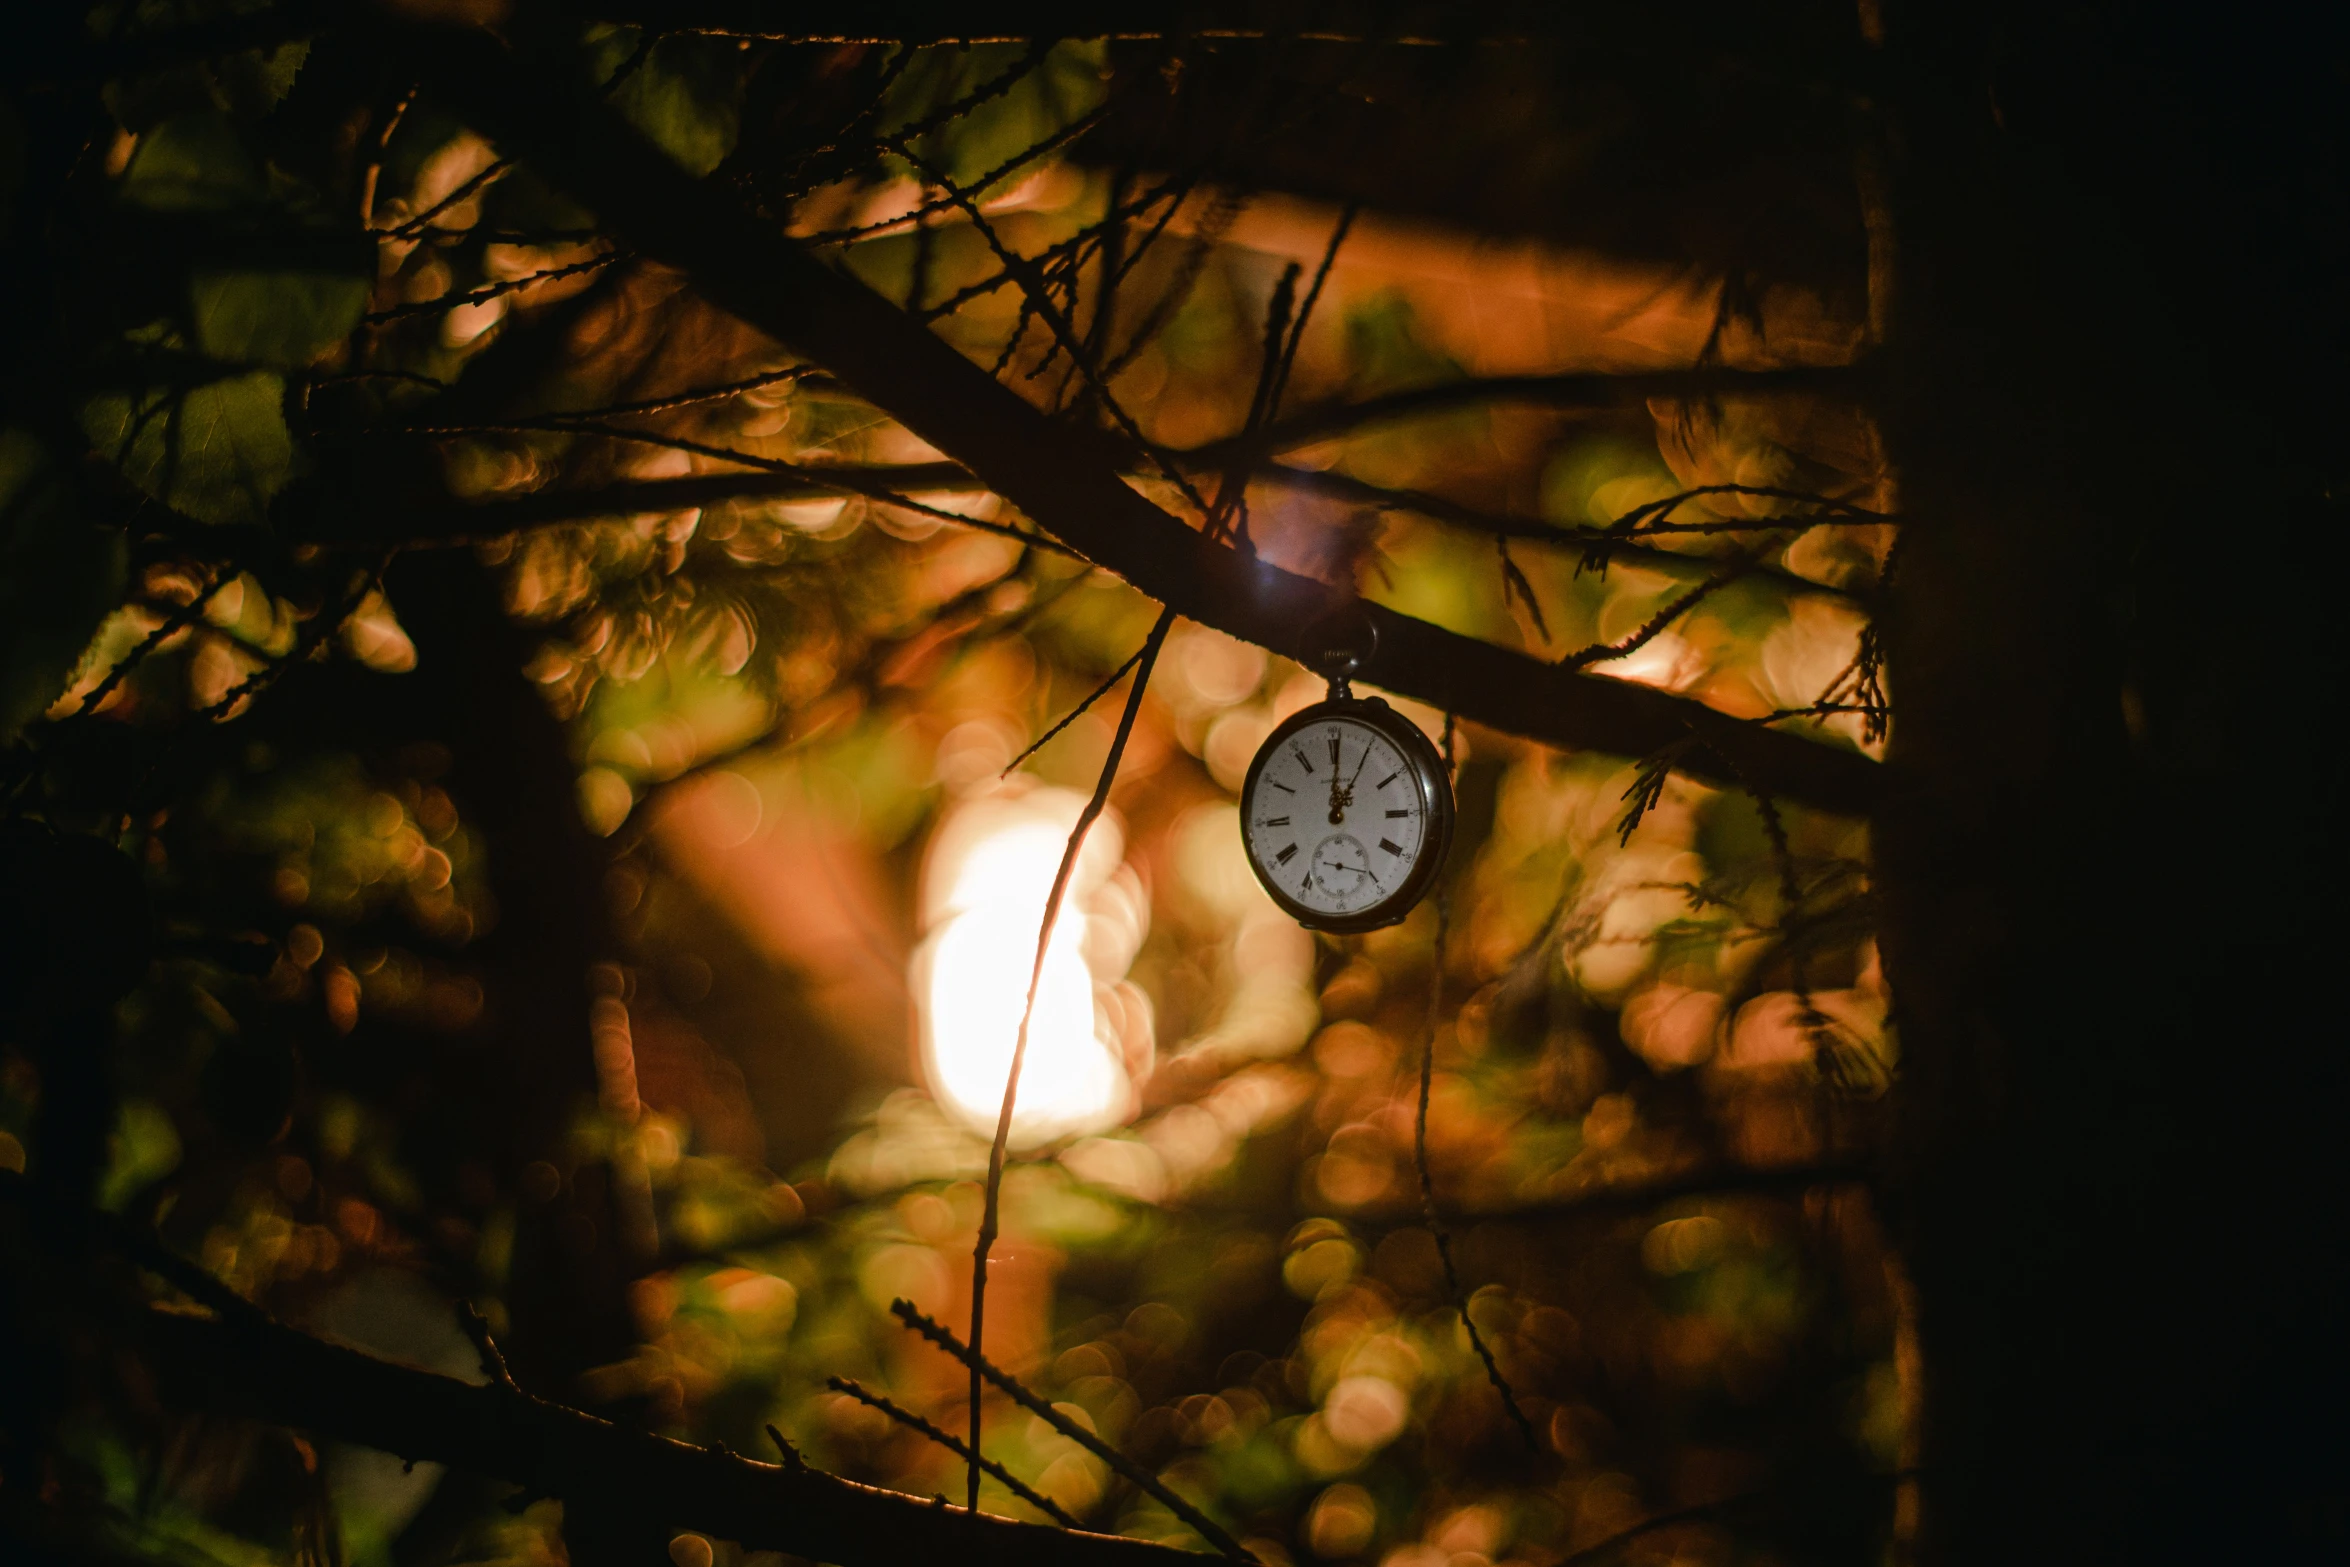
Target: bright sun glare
{"x":991,"y":870}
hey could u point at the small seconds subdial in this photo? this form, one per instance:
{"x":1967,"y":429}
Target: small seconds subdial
{"x":1337,"y":817}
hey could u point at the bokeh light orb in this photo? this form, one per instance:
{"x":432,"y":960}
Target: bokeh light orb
{"x":990,"y":872}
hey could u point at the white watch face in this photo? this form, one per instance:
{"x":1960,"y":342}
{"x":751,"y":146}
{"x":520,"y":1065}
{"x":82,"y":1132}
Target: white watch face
{"x":1336,"y":820}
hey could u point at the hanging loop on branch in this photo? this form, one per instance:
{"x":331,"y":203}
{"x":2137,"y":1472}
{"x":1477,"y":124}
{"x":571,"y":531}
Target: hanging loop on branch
{"x":1338,"y":644}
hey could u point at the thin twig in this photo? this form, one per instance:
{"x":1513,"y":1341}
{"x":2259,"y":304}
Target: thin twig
{"x":375,"y":156}
{"x":1602,"y":652}
{"x":988,"y":180}
{"x":179,"y":620}
{"x":416,"y":225}
{"x":1428,"y":1212}
{"x":1070,"y":717}
{"x":1024,"y":271}
{"x":1515,"y":585}
{"x":835,"y":482}
{"x":990,"y":1212}
{"x":1581,"y":390}
{"x":1816,"y":1028}
{"x":1230,"y":517}
{"x":986,"y":92}
{"x":1220,"y":216}
{"x":493,"y":1359}
{"x":955,"y":1445}
{"x":1652,"y":516}
{"x":1209,"y":1530}
{"x":1361,"y":492}
{"x":325,"y":624}
{"x":635,"y":61}
{"x":1648,"y":785}
{"x":1297,"y":332}
{"x":902,"y":56}
{"x":706,"y":394}
{"x":447,"y":302}
{"x":860,"y":675}
{"x":1075,"y":245}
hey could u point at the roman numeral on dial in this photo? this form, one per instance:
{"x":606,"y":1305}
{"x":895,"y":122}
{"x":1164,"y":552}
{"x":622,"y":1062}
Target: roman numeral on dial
{"x":1392,"y":815}
{"x":1390,"y":847}
{"x":1274,"y":821}
{"x":1284,"y":856}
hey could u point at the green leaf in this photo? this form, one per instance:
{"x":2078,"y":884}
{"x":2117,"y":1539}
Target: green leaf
{"x":193,"y":163}
{"x":1065,"y":86}
{"x":59,"y":576}
{"x":686,"y":95}
{"x":284,"y":319}
{"x":217,"y":452}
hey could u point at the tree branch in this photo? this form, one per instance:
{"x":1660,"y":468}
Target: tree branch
{"x":278,"y":1374}
{"x":1360,"y":492}
{"x":744,"y":266}
{"x":239,"y":1358}
{"x":1587,"y":391}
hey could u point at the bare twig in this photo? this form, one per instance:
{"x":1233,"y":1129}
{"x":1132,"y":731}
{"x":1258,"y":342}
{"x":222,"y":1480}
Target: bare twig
{"x":985,"y":93}
{"x":1209,"y":1530}
{"x":955,"y":1445}
{"x":1075,"y":246}
{"x":1602,"y":652}
{"x":627,"y":68}
{"x":950,"y":202}
{"x":1428,"y":1213}
{"x":1297,"y":332}
{"x":493,"y":1359}
{"x":1229,"y":519}
{"x":792,"y":1457}
{"x":179,"y":620}
{"x":497,"y":290}
{"x":979,"y":96}
{"x":990,"y":1212}
{"x":901,"y":56}
{"x":1361,"y":492}
{"x":1024,"y":272}
{"x":1648,"y":785}
{"x":1071,"y":716}
{"x":323,"y":625}
{"x":1816,"y":1027}
{"x":1514,"y":585}
{"x":1220,"y":216}
{"x":847,"y":481}
{"x":705,"y":394}
{"x":375,"y":155}
{"x":1598,"y":390}
{"x":416,"y":225}
{"x":1651,"y":517}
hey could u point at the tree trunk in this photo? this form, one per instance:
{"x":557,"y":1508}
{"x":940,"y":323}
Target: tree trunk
{"x":2118,"y":1197}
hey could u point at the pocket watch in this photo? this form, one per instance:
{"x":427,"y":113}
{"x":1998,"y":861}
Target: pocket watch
{"x":1347,"y":809}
